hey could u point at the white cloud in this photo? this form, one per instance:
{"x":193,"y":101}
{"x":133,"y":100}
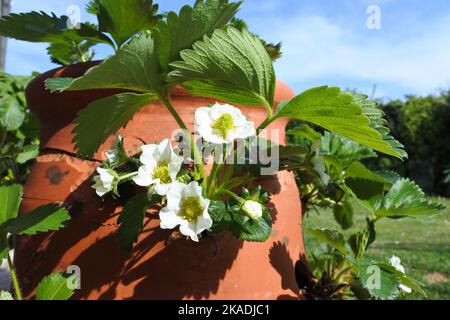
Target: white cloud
{"x":316,"y":48}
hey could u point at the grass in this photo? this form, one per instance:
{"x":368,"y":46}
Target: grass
{"x":423,"y":246}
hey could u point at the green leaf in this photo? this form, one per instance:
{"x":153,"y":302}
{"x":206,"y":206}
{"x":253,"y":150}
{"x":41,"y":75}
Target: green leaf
{"x":343,"y":214}
{"x":135,"y":67}
{"x":390,"y":176}
{"x":43,"y":219}
{"x":5,"y":295}
{"x":359,"y":242}
{"x":345,"y":150}
{"x":122,"y":19}
{"x":67,"y":52}
{"x":358,"y":170}
{"x":41,"y":27}
{"x":379,"y":279}
{"x":104,"y":118}
{"x":306,"y":132}
{"x":85,"y":32}
{"x":230,"y":65}
{"x":364,"y":183}
{"x":288,"y":151}
{"x":372,"y":110}
{"x":413,"y":284}
{"x":338,"y":112}
{"x":182,"y":30}
{"x":258,"y":230}
{"x":33,"y":26}
{"x":59,"y":84}
{"x":55,"y":287}
{"x":27,"y":153}
{"x":365,"y":189}
{"x":117,"y":154}
{"x":93,"y":7}
{"x":217,"y":211}
{"x":10,"y":198}
{"x":274,"y":50}
{"x":333,"y":238}
{"x":406,"y":199}
{"x":12,"y":114}
{"x":131,"y":221}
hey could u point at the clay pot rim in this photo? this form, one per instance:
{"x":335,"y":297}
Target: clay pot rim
{"x":177,"y":91}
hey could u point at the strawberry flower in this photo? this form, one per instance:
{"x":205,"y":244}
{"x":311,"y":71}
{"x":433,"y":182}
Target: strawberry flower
{"x":104,"y":181}
{"x":160,"y":167}
{"x":222,"y":124}
{"x":396,"y":263}
{"x":187,"y":208}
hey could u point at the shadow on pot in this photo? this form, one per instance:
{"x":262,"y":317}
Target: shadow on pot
{"x":154,"y":270}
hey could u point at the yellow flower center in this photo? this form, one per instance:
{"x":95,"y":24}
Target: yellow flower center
{"x":162,"y":173}
{"x":223,"y":125}
{"x":191,"y":209}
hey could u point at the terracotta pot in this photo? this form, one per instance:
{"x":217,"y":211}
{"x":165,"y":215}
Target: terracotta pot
{"x":219,"y":267}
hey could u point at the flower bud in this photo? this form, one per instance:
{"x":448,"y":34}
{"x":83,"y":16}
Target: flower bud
{"x":253,"y":209}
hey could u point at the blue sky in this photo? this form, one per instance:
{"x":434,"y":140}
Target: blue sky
{"x":324,"y":42}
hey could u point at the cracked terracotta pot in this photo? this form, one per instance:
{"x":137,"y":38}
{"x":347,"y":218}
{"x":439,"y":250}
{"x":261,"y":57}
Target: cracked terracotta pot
{"x":219,"y":267}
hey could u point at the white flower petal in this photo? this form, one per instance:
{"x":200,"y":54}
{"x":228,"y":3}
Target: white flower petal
{"x":174,"y":196}
{"x":217,"y":110}
{"x":405,"y":288}
{"x":253,"y":209}
{"x":189,"y":229}
{"x":203,"y":223}
{"x":103,"y":183}
{"x":105,"y":176}
{"x":396,"y":263}
{"x":174,"y":167}
{"x":246,"y":131}
{"x":193,"y":189}
{"x":144,"y":177}
{"x":205,"y":119}
{"x":169,"y":219}
{"x":165,"y":151}
{"x":147,"y":154}
{"x":207,"y":134}
{"x":162,"y":188}
{"x":154,"y":155}
{"x":202,"y":117}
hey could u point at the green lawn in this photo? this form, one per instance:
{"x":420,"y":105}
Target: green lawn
{"x":423,"y":246}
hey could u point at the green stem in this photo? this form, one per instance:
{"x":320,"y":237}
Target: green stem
{"x":80,"y":53}
{"x":216,"y":169}
{"x":15,"y":281}
{"x":226,"y":192}
{"x":234,"y":183}
{"x":269,"y":108}
{"x":174,"y":113}
{"x":266,"y":123}
{"x":342,"y":273}
{"x":197,"y":154}
{"x":127,"y":176}
{"x":212,"y":176}
{"x":198,"y":159}
{"x":229,"y":172}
